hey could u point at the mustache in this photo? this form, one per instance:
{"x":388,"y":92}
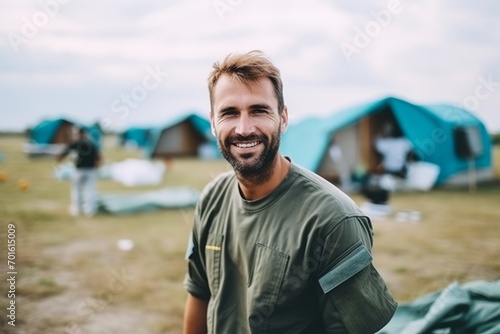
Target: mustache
{"x":239,"y":138}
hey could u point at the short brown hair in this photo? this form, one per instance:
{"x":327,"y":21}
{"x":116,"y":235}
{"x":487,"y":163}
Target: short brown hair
{"x":247,"y":67}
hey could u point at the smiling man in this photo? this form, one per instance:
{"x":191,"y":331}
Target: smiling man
{"x":274,"y":247}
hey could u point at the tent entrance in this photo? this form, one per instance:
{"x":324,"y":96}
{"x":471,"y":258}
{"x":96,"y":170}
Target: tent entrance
{"x":179,"y":140}
{"x":353,"y":147}
{"x":64,"y":134}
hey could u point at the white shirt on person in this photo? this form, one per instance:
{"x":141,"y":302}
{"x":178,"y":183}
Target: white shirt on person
{"x":394,"y":152}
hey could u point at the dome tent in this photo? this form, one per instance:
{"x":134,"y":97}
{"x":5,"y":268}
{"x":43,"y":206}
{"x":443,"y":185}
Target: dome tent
{"x":187,"y":135}
{"x":444,"y":135}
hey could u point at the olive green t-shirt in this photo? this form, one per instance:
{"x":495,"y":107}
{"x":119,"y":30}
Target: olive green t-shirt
{"x":296,"y":261}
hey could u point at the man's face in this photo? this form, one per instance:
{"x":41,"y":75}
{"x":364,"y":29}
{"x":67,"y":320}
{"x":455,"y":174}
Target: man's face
{"x":247,"y":123}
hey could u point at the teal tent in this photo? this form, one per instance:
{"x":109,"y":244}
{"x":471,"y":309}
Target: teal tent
{"x":135,"y":136}
{"x":53,"y":131}
{"x":447,"y":136}
{"x":59,"y":131}
{"x":187,"y":135}
{"x":50,"y":137}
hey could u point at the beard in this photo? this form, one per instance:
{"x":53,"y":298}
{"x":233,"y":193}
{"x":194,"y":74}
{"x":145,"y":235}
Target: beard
{"x":253,"y":167}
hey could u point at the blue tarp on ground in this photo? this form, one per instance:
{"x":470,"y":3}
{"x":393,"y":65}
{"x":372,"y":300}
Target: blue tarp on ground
{"x":429,"y":128}
{"x":166,"y":198}
{"x":460,"y":308}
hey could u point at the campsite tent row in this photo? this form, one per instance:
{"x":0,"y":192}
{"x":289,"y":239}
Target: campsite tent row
{"x":444,"y":135}
{"x":188,"y":135}
{"x":447,"y":136}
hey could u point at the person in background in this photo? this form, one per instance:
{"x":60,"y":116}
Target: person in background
{"x":83,"y":181}
{"x":274,"y":248}
{"x":395,"y":150}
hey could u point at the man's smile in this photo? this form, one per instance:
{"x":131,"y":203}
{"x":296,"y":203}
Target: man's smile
{"x":247,"y":145}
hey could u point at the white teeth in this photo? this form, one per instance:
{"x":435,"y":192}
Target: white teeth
{"x":247,"y":145}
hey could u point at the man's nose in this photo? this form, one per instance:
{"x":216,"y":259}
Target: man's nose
{"x":245,"y":125}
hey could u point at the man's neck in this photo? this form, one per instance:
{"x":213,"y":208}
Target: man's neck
{"x":252,"y":190}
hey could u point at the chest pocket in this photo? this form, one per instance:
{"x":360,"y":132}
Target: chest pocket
{"x":264,"y":286}
{"x":213,"y":251}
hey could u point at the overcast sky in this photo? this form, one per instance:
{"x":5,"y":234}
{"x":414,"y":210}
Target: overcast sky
{"x":131,"y":62}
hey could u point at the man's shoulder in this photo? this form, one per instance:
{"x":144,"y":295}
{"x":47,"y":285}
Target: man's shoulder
{"x":218,"y":185}
{"x":319,"y":192}
{"x":307,"y":179}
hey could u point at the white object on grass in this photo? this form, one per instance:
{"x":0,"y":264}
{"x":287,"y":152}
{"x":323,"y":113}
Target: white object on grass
{"x":375,"y":211}
{"x":421,"y":175}
{"x":137,"y":172}
{"x":125,"y":244}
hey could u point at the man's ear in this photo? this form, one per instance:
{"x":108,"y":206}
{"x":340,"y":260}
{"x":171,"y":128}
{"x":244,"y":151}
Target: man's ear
{"x":212,"y":127}
{"x":284,"y":120}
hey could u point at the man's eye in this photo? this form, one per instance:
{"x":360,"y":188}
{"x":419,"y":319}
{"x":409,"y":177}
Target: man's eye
{"x":228,"y":113}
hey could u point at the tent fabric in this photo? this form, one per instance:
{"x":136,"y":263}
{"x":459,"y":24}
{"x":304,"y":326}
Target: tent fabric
{"x":163,"y":199}
{"x":429,"y":128}
{"x":432,"y":135}
{"x":139,"y":136}
{"x":460,"y":308}
{"x":200,"y":124}
{"x":44,"y":132}
{"x":95,"y":133}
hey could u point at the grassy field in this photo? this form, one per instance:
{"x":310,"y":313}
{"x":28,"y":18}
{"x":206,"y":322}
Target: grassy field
{"x":72,"y":278}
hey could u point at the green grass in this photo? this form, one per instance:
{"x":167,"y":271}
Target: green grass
{"x":43,"y":288}
{"x":68,"y":265}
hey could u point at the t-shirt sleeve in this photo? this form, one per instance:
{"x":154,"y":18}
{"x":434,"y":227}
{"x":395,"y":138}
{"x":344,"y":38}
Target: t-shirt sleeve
{"x":196,"y":282}
{"x":353,"y":297}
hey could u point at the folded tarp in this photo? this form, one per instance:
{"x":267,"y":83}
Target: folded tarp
{"x":166,"y":198}
{"x":468,"y":308}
